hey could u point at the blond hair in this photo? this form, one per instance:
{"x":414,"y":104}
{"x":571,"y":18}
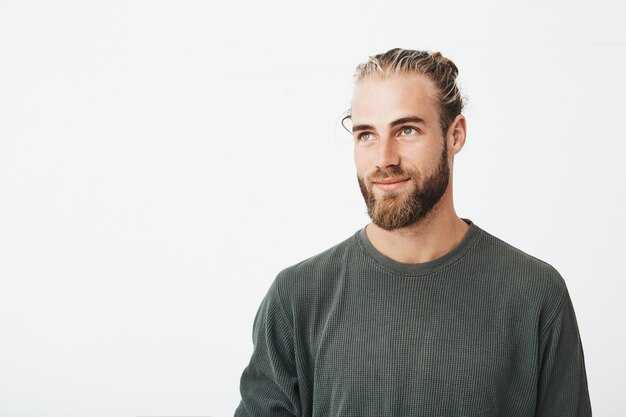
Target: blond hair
{"x":439,"y":69}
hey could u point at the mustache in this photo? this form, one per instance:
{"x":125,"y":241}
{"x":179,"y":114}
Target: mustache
{"x":391,"y":172}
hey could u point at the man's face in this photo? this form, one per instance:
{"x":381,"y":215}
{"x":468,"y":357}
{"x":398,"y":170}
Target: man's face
{"x":400,"y":151}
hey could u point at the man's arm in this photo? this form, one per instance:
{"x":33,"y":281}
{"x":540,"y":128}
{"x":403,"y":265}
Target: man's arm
{"x":269,"y":385}
{"x":562,"y":387}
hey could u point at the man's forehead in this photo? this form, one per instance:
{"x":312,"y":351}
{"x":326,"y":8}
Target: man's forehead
{"x":385,"y":98}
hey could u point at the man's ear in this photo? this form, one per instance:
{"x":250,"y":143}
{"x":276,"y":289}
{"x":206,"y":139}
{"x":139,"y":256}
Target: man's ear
{"x":457,"y":133}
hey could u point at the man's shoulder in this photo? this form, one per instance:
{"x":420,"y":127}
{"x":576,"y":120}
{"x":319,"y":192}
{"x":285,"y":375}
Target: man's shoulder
{"x":318,"y":271}
{"x":328,"y":258}
{"x":517,"y":266}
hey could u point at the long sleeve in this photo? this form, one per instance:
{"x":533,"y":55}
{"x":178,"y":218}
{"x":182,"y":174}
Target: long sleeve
{"x":562,"y":387}
{"x":269,"y":385}
{"x":485,"y":330}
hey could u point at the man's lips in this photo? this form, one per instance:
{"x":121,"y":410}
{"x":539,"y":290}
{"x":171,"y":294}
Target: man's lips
{"x":390,"y":180}
{"x":390,"y":184}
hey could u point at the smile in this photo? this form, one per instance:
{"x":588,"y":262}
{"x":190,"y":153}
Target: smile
{"x":390,"y":185}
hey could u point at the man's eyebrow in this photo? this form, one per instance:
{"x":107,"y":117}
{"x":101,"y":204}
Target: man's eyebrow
{"x":410,"y":119}
{"x":357,"y":128}
{"x":400,"y":121}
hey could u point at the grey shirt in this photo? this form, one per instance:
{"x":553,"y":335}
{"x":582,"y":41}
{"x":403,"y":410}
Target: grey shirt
{"x":485,"y":330}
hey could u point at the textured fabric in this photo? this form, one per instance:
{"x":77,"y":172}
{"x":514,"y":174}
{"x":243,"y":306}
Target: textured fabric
{"x":485,"y":330}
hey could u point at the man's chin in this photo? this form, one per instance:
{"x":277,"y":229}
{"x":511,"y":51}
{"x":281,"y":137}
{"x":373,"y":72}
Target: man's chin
{"x":390,"y":195}
{"x":391,"y":216}
{"x":391,"y":200}
{"x":390,"y":226}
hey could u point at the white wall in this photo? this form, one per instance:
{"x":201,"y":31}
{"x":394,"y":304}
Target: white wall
{"x":160,"y":162}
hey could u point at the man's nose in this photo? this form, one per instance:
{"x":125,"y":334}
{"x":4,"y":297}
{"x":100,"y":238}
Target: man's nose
{"x":387,"y":153}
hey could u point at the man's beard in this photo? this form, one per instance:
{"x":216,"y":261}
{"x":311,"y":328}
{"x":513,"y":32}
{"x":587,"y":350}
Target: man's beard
{"x":394,"y":210}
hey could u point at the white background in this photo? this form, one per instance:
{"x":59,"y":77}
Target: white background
{"x":160,"y":162}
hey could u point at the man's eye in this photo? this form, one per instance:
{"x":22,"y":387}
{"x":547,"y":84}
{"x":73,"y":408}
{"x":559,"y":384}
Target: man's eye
{"x":407,"y":130}
{"x":366,"y":136}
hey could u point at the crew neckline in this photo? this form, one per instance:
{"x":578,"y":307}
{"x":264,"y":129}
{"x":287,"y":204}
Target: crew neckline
{"x":422,"y":268}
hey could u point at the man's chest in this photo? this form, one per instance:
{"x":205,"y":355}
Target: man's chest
{"x":448,"y":352}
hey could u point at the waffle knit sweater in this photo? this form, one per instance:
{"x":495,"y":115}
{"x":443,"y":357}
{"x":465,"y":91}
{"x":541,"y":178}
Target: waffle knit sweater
{"x":484,"y":330}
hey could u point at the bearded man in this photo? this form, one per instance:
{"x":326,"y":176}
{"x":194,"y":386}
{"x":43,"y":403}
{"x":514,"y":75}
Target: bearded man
{"x":420,"y":313}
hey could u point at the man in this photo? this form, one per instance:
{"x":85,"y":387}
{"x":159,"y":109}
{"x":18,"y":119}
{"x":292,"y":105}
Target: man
{"x":420,"y":313}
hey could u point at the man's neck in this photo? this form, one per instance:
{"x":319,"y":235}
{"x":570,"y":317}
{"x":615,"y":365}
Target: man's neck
{"x":434,"y":236}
